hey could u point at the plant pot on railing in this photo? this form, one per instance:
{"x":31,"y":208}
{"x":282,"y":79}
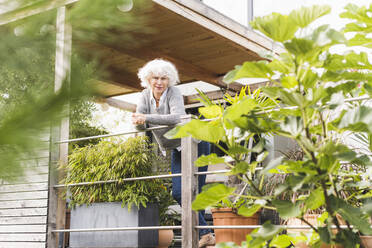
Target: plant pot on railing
{"x":227,"y":217}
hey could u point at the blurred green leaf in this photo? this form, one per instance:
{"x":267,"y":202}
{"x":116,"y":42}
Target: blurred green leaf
{"x":202,"y":130}
{"x":276,"y":26}
{"x":306,"y":15}
{"x":210,"y":112}
{"x":249,"y":211}
{"x":287,"y":209}
{"x":281,"y":241}
{"x":289,"y":82}
{"x":210,"y":159}
{"x":315,"y":199}
{"x":211,"y":196}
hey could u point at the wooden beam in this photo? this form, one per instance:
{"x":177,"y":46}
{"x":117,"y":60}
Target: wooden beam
{"x":120,"y":104}
{"x":189,"y":184}
{"x":34,"y":9}
{"x":228,"y":23}
{"x":229,"y":34}
{"x":60,"y":131}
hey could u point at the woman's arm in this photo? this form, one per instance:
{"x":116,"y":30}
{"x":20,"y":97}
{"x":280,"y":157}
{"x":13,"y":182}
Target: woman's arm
{"x":138,"y":118}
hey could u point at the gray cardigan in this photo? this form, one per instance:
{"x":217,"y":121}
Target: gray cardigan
{"x":168,"y":113}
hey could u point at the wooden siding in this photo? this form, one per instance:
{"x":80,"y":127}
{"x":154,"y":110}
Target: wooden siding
{"x":24,"y":202}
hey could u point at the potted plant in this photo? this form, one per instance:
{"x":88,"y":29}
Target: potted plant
{"x":168,"y":216}
{"x":226,"y":213}
{"x":116,"y":204}
{"x":305,"y":102}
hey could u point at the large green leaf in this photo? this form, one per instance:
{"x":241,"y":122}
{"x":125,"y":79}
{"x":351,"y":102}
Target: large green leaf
{"x":357,"y":119}
{"x":249,"y":211}
{"x":287,"y":209}
{"x":324,"y":36}
{"x":292,"y":125}
{"x":208,"y":131}
{"x":259,"y":69}
{"x":308,"y":78}
{"x":267,"y":231}
{"x":299,"y":46}
{"x":211,"y":196}
{"x":356,"y":13}
{"x":360,"y":40}
{"x":351,"y":60}
{"x":306,"y":15}
{"x":211,"y":111}
{"x":238,"y":109}
{"x":315,"y":199}
{"x":353,"y":215}
{"x":276,"y":26}
{"x":210,"y":159}
{"x":289,"y":82}
{"x":281,"y":241}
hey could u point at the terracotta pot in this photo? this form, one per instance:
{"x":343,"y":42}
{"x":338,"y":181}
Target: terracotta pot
{"x":312,"y":219}
{"x":226,"y":217}
{"x":165,"y":238}
{"x":366,"y":241}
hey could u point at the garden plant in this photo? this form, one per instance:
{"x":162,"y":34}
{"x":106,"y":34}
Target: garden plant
{"x":305,"y":100}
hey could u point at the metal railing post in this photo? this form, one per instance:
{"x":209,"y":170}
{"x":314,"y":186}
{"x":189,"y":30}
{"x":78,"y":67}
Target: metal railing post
{"x":189,"y":154}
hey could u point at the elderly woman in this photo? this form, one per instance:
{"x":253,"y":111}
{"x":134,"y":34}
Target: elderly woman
{"x":162,"y":104}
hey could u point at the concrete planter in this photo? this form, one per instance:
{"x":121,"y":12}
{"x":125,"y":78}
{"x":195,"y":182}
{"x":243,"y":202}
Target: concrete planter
{"x":110,"y":215}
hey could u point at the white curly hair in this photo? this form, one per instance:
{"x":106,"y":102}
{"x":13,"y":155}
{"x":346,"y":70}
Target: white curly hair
{"x":158,"y":67}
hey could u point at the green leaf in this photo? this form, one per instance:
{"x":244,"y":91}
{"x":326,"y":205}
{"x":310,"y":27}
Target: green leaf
{"x":281,"y":241}
{"x":368,"y":88}
{"x":348,"y":61}
{"x":271,"y":165}
{"x":308,"y":78}
{"x":357,"y":119}
{"x":208,"y":131}
{"x":259,"y":69}
{"x":315,"y":199}
{"x":287,"y":209}
{"x":237,"y":149}
{"x":299,"y":47}
{"x":360,"y":40}
{"x":289,"y":82}
{"x":267,"y":231}
{"x":235,"y":111}
{"x":240,"y":168}
{"x":229,"y":77}
{"x":353,"y":215}
{"x":276,"y":26}
{"x":292,"y":125}
{"x":211,"y":196}
{"x":211,"y":111}
{"x":356,"y":13}
{"x":306,"y":15}
{"x":324,"y":234}
{"x":324,"y":36}
{"x":210,"y":159}
{"x":249,"y":211}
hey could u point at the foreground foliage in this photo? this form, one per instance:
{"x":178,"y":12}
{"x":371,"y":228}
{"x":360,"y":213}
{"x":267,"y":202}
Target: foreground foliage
{"x":305,"y":102}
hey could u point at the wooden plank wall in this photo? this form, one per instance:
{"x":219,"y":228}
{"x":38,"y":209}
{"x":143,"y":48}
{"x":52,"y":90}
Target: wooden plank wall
{"x":24,"y":204}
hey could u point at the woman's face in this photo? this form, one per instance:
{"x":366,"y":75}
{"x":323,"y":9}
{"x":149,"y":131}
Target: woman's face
{"x":158,"y":83}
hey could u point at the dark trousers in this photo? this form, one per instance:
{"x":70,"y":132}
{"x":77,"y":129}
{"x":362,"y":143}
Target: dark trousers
{"x":204,"y":148}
